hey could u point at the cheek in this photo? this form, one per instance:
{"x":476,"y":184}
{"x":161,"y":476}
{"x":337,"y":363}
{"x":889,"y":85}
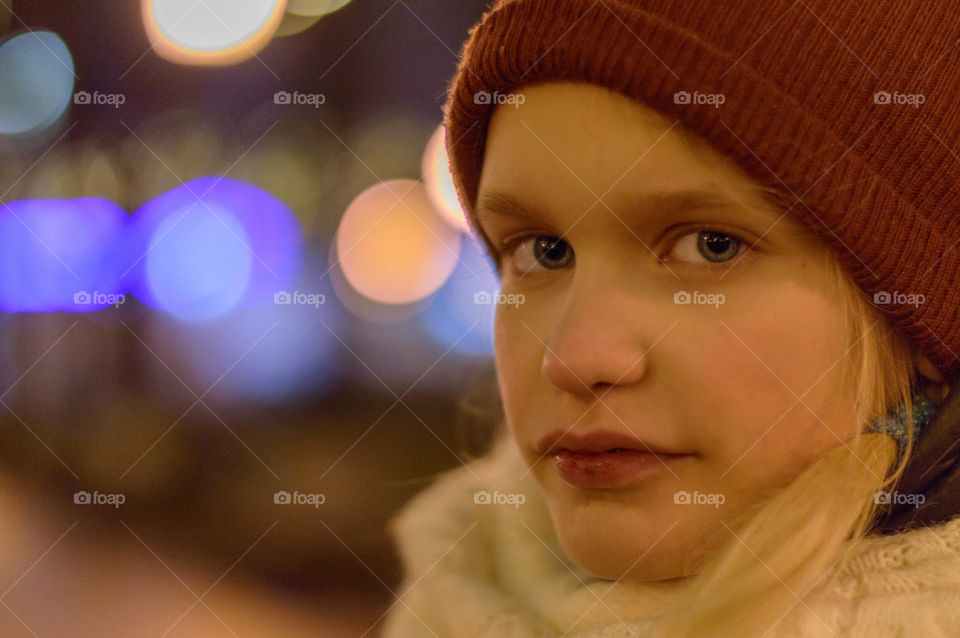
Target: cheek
{"x":772,"y":379}
{"x":518,"y":363}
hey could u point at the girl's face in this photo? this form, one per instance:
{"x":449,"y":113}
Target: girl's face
{"x":658,"y":304}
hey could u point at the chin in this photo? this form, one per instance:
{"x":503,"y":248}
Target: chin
{"x":615,"y":541}
{"x":623,"y":560}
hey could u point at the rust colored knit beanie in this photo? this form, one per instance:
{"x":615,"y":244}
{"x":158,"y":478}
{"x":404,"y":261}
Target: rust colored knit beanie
{"x":850,"y":109}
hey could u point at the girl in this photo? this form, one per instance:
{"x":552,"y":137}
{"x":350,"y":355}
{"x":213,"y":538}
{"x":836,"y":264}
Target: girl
{"x":727,"y":391}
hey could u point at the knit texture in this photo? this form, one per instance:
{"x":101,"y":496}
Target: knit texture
{"x":821,"y":101}
{"x":498,"y":571}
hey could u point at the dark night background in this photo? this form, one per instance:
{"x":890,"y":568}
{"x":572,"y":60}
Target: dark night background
{"x":111,"y":400}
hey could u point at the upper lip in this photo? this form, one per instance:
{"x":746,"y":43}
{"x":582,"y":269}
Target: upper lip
{"x":598,"y":441}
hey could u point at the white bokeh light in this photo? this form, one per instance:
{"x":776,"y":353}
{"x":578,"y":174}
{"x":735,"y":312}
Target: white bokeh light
{"x":214,"y":32}
{"x":315,"y":7}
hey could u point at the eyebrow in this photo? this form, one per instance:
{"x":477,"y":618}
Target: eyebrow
{"x":662,"y":205}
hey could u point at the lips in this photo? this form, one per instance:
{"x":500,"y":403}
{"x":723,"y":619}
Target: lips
{"x":606,"y":459}
{"x":598,"y":441}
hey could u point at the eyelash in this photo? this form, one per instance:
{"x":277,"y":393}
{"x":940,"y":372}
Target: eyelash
{"x":508,"y":246}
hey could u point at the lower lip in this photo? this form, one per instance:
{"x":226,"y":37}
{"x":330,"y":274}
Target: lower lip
{"x":605,"y":470}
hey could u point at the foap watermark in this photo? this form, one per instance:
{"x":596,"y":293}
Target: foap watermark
{"x":299,"y":498}
{"x":483,"y":497}
{"x":84,"y":298}
{"x":297,"y":298}
{"x":496,"y":98}
{"x":715,"y":100}
{"x":84,"y":497}
{"x":485,"y":298}
{"x":686,"y":498}
{"x":696,"y":297}
{"x":909,"y":99}
{"x":97,"y":98}
{"x":885,"y":297}
{"x":286,"y":97}
{"x":896,"y":498}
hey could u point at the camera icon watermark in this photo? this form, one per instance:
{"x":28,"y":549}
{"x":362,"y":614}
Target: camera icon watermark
{"x":686,"y":498}
{"x":896,"y":498}
{"x":884,"y":298}
{"x":897,"y":98}
{"x":682,"y":297}
{"x":299,"y":498}
{"x":486,"y":298}
{"x":312,"y":99}
{"x":716,"y":100}
{"x":97,"y":98}
{"x":483,"y":497}
{"x":84,"y":298}
{"x":84,"y":497}
{"x":297,"y":298}
{"x":497,"y":98}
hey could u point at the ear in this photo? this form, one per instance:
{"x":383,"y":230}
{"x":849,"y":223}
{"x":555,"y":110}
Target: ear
{"x":928,"y":370}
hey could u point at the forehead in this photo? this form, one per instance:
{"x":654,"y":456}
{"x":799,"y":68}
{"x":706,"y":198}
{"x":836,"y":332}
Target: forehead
{"x":659,"y":207}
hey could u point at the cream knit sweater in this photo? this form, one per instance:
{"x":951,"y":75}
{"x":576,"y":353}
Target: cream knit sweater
{"x":497,"y":571}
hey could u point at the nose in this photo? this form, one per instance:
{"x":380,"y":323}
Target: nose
{"x":600,"y":338}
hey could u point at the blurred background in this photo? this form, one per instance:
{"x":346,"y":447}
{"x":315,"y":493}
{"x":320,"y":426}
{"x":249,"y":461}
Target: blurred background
{"x":241,"y":319}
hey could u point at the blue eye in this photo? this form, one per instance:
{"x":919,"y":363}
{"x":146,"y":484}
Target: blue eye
{"x":708,"y":245}
{"x":716,"y":246}
{"x":703,"y":246}
{"x":531,"y":251}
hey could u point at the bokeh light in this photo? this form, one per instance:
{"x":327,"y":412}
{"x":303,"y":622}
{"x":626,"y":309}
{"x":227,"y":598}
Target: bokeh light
{"x":392,"y":245}
{"x":274,"y":353}
{"x":363,"y":307}
{"x":199,"y":263}
{"x":439,"y":182}
{"x":36,"y":81}
{"x":58,"y":254}
{"x":212,"y":245}
{"x":389,"y":144}
{"x":211,"y":32}
{"x":461,"y":313}
{"x":291,"y":173}
{"x":71,"y":172}
{"x":293,"y":24}
{"x":99,"y":175}
{"x":315,"y":7}
{"x":188,"y":143}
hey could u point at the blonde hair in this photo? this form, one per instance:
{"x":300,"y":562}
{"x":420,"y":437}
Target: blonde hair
{"x":787,"y":545}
